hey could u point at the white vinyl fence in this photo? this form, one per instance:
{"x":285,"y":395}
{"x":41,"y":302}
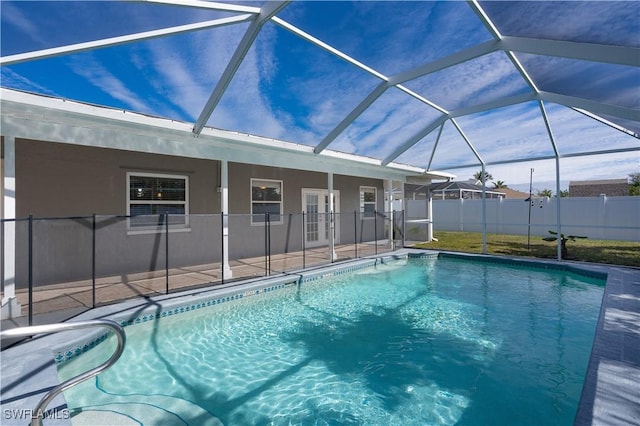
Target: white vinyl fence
{"x":602,"y":218}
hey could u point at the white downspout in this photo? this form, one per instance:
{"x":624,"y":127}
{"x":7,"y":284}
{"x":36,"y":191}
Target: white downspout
{"x":224,"y":208}
{"x":429,"y":214}
{"x":332,"y":223}
{"x":390,"y":211}
{"x":10,"y":305}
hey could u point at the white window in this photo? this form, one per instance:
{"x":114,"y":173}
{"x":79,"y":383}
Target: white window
{"x":368,"y":198}
{"x":151,"y":196}
{"x":266,"y":198}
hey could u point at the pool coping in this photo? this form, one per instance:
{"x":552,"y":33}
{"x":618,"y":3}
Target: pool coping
{"x":609,"y":393}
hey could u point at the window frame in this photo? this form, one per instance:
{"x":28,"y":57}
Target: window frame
{"x":252,"y":201}
{"x":363,"y":214}
{"x":146,"y":229}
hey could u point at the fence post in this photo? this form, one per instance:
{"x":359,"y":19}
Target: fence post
{"x":375,"y":231}
{"x":269,"y":242}
{"x":355,"y":233}
{"x":266,"y":238}
{"x":222,"y":246}
{"x":93,"y":261}
{"x":166,"y":245}
{"x":30,"y":265}
{"x":304,"y":245}
{"x":404,"y":228}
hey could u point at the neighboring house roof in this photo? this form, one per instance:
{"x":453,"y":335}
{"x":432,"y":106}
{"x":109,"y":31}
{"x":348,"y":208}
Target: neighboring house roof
{"x":457,"y":187}
{"x":598,"y":182}
{"x":594,"y":188}
{"x":512,"y":193}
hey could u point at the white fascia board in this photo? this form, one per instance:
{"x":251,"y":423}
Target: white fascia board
{"x":39,"y":105}
{"x":429,"y":177}
{"x":429,"y":174}
{"x":55,"y":120}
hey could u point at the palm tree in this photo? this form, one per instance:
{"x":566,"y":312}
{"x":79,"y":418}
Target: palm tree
{"x":499,"y":184}
{"x":478,"y":176}
{"x":634,"y":185}
{"x":545,"y":193}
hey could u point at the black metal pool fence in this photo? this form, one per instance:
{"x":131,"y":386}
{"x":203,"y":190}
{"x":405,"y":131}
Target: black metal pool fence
{"x":76,"y":263}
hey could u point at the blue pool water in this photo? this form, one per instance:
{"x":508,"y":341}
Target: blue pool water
{"x":426,"y":341}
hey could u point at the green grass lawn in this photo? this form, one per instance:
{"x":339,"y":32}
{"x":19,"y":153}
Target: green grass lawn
{"x":624,"y":253}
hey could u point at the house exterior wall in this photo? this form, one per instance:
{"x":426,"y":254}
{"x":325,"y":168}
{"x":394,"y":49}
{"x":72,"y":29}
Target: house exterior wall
{"x":56,"y":180}
{"x":287,"y":236}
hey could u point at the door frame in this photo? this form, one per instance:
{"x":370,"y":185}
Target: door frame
{"x":323,"y":195}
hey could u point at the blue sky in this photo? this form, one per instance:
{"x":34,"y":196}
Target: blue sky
{"x":291,"y":90}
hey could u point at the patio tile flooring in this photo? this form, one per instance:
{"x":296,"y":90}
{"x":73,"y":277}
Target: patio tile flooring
{"x":69,"y":298}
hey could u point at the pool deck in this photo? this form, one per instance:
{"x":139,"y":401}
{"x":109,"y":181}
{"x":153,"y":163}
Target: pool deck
{"x":611,"y":392}
{"x":610,"y":396}
{"x":61,"y":301}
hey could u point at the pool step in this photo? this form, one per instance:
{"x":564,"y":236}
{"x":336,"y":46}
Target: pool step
{"x":143,"y":410}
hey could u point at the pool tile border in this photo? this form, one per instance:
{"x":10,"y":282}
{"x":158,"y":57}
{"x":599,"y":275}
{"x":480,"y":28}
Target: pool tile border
{"x":583,"y":270}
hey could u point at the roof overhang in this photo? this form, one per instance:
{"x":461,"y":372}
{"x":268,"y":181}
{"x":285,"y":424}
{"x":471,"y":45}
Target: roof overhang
{"x":30,"y":116}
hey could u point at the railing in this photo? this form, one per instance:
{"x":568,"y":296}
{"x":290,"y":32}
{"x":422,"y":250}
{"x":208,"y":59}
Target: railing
{"x":54,"y":328}
{"x":73,"y":264}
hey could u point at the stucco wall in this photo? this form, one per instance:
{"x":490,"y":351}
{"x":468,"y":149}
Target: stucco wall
{"x":56,"y":180}
{"x":249,"y":241}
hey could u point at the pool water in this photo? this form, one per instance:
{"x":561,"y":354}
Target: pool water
{"x":424,"y":341}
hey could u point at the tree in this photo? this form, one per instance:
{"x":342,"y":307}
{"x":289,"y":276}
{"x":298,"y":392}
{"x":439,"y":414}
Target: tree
{"x":478,"y":176}
{"x":499,"y":184}
{"x":634,"y":184}
{"x":545,"y":193}
{"x":564,"y":193}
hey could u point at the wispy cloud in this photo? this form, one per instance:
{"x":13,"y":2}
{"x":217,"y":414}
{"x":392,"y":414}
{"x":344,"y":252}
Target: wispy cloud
{"x":612,"y":84}
{"x":601,"y":22}
{"x":516,"y":176}
{"x":575,"y":132}
{"x":473,"y":82}
{"x":18,"y":81}
{"x":96,"y":73}
{"x":518,"y":132}
{"x":393,"y":119}
{"x":15,"y":16}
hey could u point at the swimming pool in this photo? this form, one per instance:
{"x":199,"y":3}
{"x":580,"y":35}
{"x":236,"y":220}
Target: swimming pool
{"x":422,"y":341}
